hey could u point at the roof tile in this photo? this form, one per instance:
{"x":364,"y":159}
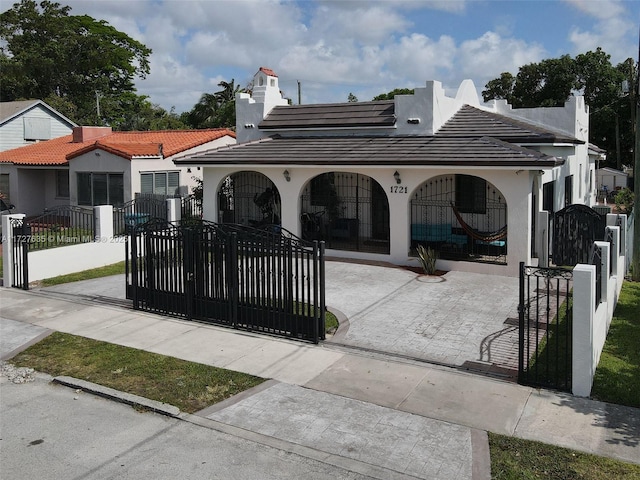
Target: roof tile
{"x":125,"y":144}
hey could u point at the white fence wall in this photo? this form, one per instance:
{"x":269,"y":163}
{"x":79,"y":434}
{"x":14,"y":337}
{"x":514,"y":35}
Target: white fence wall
{"x":75,"y":258}
{"x":591,"y":320}
{"x":105,"y":250}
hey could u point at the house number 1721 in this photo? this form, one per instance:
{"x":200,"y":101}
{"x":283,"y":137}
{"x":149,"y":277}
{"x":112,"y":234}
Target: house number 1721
{"x":399,"y":189}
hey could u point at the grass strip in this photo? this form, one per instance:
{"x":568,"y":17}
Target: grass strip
{"x":617,"y":378}
{"x":107,"y":270}
{"x":517,"y":459}
{"x":187,"y":385}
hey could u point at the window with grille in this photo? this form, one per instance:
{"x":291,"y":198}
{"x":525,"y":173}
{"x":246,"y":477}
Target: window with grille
{"x":471,"y":194}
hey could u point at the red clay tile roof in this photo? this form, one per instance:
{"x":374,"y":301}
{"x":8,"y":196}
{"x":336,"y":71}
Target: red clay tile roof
{"x":124,"y":144}
{"x":268,"y":71}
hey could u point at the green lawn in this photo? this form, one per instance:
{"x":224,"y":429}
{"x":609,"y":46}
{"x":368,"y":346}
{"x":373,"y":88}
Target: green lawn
{"x":186,"y":385}
{"x":517,"y":459}
{"x":617,"y":378}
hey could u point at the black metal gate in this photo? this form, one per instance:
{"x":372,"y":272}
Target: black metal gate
{"x":258,"y":280}
{"x":21,"y":237}
{"x":545,"y":311}
{"x":575,"y":228}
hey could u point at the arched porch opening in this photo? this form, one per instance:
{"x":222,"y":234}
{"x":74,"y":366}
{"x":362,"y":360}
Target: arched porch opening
{"x":248,"y":198}
{"x":349,"y":211}
{"x":462,"y":217}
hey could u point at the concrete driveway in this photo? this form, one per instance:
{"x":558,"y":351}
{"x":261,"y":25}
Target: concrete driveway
{"x":459,"y":319}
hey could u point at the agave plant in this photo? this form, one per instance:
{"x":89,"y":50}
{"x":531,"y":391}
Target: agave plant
{"x":428,"y":257}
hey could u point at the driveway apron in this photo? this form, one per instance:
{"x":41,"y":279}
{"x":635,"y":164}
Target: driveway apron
{"x":459,"y":318}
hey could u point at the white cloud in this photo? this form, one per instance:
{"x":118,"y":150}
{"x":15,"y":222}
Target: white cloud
{"x":417,"y":58}
{"x":484,"y":58}
{"x":339,"y":46}
{"x":612,"y":30}
{"x":369,"y":24}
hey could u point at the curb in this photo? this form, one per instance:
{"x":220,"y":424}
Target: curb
{"x":122,"y":397}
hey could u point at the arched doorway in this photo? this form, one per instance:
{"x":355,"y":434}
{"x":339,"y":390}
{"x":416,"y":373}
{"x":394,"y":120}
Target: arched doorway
{"x":349,"y":211}
{"x":248,"y":198}
{"x":462,"y":217}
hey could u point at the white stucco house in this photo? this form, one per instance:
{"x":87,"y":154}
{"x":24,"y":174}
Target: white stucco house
{"x":97,"y":166}
{"x":25,"y":122}
{"x":376,"y":179}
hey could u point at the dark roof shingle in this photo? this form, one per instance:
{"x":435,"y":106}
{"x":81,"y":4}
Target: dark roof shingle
{"x":473,"y":122}
{"x":378,"y":150}
{"x":331,"y":115}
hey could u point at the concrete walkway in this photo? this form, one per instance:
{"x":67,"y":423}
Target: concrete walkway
{"x":343,"y":402}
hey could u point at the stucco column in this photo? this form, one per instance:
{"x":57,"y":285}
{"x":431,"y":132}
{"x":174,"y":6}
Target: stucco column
{"x":103,"y":215}
{"x":289,"y":200}
{"x":584,"y":293}
{"x":174,"y":210}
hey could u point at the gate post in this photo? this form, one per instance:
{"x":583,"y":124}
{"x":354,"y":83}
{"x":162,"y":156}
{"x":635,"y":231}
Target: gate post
{"x":188,"y":264}
{"x":584,"y":292}
{"x":232,"y":264}
{"x":7,"y":247}
{"x":521,"y":320}
{"x":316,"y":293}
{"x":103,"y":217}
{"x":134,"y":267}
{"x":323,"y":306}
{"x":174,"y":211}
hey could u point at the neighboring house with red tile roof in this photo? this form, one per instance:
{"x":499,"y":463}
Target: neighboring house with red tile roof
{"x":96,"y":166}
{"x":376,"y":179}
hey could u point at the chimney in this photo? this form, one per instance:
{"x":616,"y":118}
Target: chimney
{"x":86,"y":134}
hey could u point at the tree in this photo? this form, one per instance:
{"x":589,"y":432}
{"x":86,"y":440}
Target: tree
{"x":352,"y":98}
{"x":215,"y":110}
{"x":500,"y":88}
{"x":393,"y":93}
{"x":46,"y":52}
{"x":552,"y":81}
{"x":148,"y":116}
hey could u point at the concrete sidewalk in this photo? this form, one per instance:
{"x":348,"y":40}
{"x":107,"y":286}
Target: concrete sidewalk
{"x":446,"y":399}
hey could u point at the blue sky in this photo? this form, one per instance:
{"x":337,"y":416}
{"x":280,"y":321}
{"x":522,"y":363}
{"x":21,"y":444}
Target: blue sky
{"x":334,"y":47}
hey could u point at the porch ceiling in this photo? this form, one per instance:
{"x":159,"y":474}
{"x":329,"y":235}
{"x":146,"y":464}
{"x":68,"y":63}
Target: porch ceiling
{"x":380,"y":151}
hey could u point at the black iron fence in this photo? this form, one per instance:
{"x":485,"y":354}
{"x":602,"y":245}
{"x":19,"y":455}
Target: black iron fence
{"x":137,"y":212}
{"x":264,"y":280}
{"x":595,"y":258}
{"x":61,"y":226}
{"x":190,"y":208}
{"x":575,"y":228}
{"x":545,"y":333}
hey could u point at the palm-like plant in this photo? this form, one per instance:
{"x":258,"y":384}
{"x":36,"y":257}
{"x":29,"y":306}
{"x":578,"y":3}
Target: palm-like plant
{"x":215,"y":110}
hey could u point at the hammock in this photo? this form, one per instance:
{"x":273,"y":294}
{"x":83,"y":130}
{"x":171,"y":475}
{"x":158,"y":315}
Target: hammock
{"x":475,"y":234}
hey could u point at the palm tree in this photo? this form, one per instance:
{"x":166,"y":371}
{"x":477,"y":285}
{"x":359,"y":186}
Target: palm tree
{"x":215,"y":110}
{"x":204,"y":113}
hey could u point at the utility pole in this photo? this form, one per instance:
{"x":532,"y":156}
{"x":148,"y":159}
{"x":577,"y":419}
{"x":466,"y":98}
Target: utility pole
{"x":299,"y":93}
{"x":98,"y":106}
{"x":635,"y":262}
